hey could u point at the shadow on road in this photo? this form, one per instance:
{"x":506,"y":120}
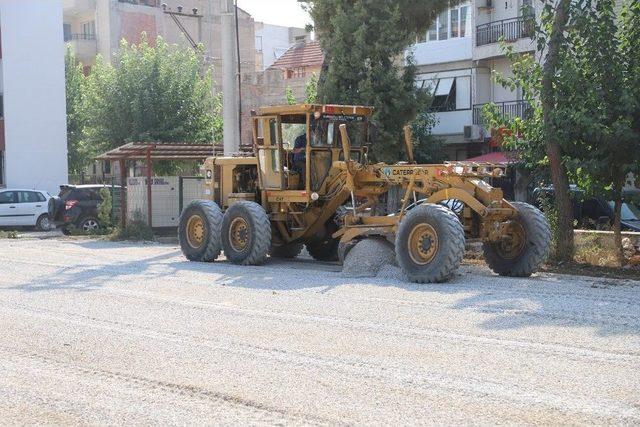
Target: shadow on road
{"x":510,"y":303}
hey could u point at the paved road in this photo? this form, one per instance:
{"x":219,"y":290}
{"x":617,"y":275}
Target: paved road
{"x":102,"y":333}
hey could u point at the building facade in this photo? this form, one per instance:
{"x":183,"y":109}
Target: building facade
{"x":33,"y":134}
{"x":456,"y":59}
{"x":272,"y":41}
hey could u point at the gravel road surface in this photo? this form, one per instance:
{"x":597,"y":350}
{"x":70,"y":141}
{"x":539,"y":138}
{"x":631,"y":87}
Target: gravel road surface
{"x":104,"y":333}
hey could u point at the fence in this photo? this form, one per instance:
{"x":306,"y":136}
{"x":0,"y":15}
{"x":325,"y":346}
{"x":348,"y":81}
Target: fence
{"x":507,"y":29}
{"x":508,"y":110}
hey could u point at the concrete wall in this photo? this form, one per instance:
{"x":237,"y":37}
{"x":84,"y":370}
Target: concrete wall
{"x":443,"y":51}
{"x":34,"y":96}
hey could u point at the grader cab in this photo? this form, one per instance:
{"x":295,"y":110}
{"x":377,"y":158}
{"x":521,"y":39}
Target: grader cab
{"x":309,"y":183}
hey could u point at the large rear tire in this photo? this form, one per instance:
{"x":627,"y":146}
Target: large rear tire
{"x":429,"y":243}
{"x":199,"y":231}
{"x":286,"y":251}
{"x":529,"y":247}
{"x":246,"y":233}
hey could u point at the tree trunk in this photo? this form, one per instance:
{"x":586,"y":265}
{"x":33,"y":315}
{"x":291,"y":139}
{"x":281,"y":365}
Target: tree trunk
{"x":564,"y":206}
{"x":617,"y":218}
{"x":322,"y":78}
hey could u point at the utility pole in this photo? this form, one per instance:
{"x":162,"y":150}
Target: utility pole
{"x":230,"y":116}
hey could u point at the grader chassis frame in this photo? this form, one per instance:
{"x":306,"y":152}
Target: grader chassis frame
{"x":338,"y":198}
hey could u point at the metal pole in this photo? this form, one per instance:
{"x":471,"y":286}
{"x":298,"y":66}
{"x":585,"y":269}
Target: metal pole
{"x":239,"y":75}
{"x":229,"y":82}
{"x":149,"y":203}
{"x":123,"y":198}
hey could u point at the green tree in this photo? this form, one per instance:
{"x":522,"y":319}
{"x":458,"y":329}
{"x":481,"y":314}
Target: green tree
{"x":78,"y":156}
{"x":597,"y":91}
{"x":427,"y":148}
{"x":364,"y":42}
{"x":311,"y":89}
{"x":582,"y":122}
{"x":289,"y":97}
{"x":157,"y":93}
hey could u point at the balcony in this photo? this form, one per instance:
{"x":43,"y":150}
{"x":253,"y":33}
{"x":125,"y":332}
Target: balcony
{"x":509,"y":110}
{"x":78,"y":6}
{"x":152,"y":3}
{"x":508,"y":29}
{"x":84,"y":46}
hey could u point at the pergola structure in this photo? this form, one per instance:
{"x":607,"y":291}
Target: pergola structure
{"x":150,"y":151}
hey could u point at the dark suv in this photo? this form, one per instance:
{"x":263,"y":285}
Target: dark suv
{"x":77,"y":205}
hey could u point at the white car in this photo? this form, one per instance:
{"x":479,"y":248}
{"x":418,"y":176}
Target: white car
{"x":24,"y":208}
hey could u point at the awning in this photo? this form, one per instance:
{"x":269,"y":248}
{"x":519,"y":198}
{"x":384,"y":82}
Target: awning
{"x":497,"y":157}
{"x":444,"y":86}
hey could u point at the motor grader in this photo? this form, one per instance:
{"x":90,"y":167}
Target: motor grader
{"x":308,"y":182}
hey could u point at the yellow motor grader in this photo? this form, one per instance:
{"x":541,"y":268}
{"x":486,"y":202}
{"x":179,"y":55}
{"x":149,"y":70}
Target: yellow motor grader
{"x":308,"y":182}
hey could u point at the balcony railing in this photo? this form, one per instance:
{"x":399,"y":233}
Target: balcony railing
{"x":509,"y":29}
{"x":70,"y":37}
{"x":152,"y":3}
{"x":508,"y":110}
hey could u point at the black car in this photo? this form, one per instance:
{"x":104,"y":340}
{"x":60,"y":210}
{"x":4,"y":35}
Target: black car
{"x":595,"y":212}
{"x":77,"y":205}
{"x":598,"y":212}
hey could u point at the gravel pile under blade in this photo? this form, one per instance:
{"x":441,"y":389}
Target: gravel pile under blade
{"x":367,"y":258}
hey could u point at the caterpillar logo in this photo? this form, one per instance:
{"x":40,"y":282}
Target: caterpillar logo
{"x":397,"y":172}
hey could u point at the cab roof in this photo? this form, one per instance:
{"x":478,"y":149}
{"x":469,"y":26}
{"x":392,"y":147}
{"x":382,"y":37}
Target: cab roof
{"x":347,"y":110}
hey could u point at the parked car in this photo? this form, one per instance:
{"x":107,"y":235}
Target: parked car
{"x":598,"y":212}
{"x":24,"y":208}
{"x":77,"y":205}
{"x":595,"y":212}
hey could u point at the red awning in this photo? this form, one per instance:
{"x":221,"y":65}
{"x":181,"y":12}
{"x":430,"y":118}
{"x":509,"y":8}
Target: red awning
{"x":495,"y":157}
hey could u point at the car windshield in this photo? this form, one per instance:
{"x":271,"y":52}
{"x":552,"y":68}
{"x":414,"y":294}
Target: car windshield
{"x":626,"y":212}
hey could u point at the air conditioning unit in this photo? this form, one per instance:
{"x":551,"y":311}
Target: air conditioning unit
{"x":473,"y":133}
{"x":486,"y":4}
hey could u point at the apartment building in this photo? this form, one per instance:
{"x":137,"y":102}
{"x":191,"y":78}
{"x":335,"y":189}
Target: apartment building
{"x":456,"y":59}
{"x":272,"y":41}
{"x":33,"y":135}
{"x":95,"y":27}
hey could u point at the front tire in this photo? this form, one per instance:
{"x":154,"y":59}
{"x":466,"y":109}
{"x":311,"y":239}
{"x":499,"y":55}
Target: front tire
{"x":246,"y":233}
{"x":429,"y":243}
{"x":524,"y":254}
{"x":199,"y":230}
{"x":324,"y":247}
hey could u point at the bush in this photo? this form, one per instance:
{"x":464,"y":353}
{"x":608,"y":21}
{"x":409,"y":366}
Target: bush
{"x":136,"y":230}
{"x":548,"y":209}
{"x":592,"y":252}
{"x":11,"y":234}
{"x":105,"y":208}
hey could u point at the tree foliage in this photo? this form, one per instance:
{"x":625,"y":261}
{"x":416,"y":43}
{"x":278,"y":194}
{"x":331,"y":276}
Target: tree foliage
{"x":364,"y":42}
{"x":151,"y":93}
{"x":594,"y":107}
{"x":427,"y":148}
{"x":74,"y":77}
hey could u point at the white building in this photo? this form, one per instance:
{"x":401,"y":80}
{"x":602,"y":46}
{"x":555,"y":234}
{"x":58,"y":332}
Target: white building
{"x":33,"y":134}
{"x":456,"y":58}
{"x":272,"y":41}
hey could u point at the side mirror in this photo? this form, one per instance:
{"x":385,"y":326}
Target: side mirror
{"x":408,"y":145}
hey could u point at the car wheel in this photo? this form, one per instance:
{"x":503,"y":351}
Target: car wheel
{"x":89,"y":225}
{"x":43,"y":223}
{"x":65,"y":231}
